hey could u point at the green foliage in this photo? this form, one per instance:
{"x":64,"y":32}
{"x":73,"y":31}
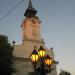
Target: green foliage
{"x":5,"y":56}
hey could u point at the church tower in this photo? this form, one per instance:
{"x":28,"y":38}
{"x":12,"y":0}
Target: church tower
{"x":31,"y":24}
{"x":31,"y":36}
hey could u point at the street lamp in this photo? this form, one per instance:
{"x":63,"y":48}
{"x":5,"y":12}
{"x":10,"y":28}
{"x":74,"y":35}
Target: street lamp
{"x":34,"y":58}
{"x":41,"y":52}
{"x":48,"y":61}
{"x":41,"y":61}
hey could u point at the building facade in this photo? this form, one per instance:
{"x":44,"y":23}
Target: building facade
{"x":31,"y":37}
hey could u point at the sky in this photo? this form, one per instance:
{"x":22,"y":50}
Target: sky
{"x":57,"y":27}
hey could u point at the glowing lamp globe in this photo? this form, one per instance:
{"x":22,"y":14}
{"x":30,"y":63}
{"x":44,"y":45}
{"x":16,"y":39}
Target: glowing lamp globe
{"x":41,"y":52}
{"x":34,"y":56}
{"x":48,"y":60}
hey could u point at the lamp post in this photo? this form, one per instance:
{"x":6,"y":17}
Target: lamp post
{"x":41,"y":61}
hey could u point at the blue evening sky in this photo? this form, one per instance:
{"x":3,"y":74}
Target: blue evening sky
{"x":57,"y":27}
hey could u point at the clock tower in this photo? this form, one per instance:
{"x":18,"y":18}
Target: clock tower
{"x":31,"y":24}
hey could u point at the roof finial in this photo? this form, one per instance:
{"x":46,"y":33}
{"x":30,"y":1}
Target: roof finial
{"x":30,"y":12}
{"x":30,"y":5}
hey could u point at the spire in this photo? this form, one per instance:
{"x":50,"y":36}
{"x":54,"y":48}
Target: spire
{"x":30,"y":6}
{"x":30,"y":11}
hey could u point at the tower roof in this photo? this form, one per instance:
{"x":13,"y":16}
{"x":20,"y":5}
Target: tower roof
{"x":30,"y":6}
{"x":30,"y":11}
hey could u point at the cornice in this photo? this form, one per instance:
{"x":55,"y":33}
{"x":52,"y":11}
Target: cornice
{"x":33,"y":40}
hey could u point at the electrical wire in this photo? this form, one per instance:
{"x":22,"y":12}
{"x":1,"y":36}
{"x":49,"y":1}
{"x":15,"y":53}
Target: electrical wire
{"x":10,"y":11}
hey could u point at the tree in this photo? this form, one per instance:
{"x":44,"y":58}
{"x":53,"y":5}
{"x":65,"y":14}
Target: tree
{"x":5,"y":56}
{"x":64,"y":73}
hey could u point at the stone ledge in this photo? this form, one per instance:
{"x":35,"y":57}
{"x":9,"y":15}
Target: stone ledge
{"x":21,"y":59}
{"x":33,"y":40}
